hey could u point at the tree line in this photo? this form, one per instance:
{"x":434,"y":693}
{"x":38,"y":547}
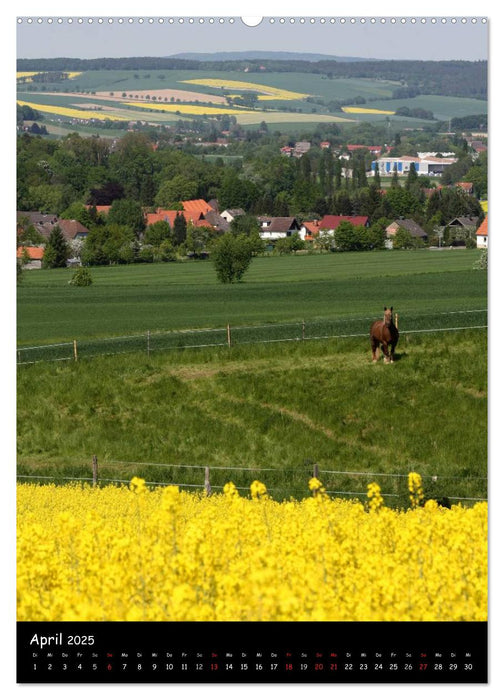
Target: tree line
{"x":449,"y":78}
{"x":72,"y":176}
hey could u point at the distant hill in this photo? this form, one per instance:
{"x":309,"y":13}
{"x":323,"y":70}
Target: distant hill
{"x":265,"y":56}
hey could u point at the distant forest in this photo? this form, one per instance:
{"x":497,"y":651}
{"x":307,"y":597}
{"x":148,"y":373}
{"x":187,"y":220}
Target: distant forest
{"x":449,"y":78}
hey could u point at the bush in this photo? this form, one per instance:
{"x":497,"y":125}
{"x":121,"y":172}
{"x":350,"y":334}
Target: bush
{"x":482,"y":262}
{"x":231,"y":256}
{"x":81,"y":278}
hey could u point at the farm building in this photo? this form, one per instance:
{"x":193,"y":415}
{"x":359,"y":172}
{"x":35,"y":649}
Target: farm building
{"x":424,"y":166}
{"x":482,"y":234}
{"x":408,"y":225}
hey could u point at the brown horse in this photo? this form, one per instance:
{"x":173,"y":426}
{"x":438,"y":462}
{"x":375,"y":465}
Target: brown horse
{"x":384,"y":333}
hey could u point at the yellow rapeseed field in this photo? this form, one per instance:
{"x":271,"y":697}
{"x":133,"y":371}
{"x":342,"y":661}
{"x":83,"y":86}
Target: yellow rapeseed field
{"x":119,"y":553}
{"x":270,"y":92}
{"x":30,"y":74}
{"x":364,"y":110}
{"x":72,"y":113}
{"x":187,"y":109}
{"x":27,"y":74}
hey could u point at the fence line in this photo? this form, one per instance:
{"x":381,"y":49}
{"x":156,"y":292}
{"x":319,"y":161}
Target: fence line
{"x":276,"y":469}
{"x":239,"y":488}
{"x":152,"y":341}
{"x":207,"y":486}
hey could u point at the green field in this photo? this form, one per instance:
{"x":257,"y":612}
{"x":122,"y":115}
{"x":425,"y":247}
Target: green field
{"x":443,"y":108}
{"x":273,"y":112}
{"x":279,"y":408}
{"x":129,"y":299}
{"x":312,"y":84}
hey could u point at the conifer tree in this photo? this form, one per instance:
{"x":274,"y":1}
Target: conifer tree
{"x":179,"y":229}
{"x":57,"y":250}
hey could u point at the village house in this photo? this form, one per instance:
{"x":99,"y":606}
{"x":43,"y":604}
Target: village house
{"x":461,"y":227}
{"x":300,"y":148}
{"x":275,"y":227}
{"x":230,"y":214}
{"x":309,"y":230}
{"x":72,"y":230}
{"x":466,"y":187}
{"x":482,"y":234}
{"x":352,"y":147}
{"x":330,"y":222}
{"x":42,"y":223}
{"x":33,"y":255}
{"x":408,"y":225}
{"x":195,"y":211}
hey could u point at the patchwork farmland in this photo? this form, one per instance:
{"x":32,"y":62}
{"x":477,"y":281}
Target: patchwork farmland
{"x":159,"y":97}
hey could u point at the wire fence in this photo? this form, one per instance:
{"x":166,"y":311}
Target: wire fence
{"x":282,"y":482}
{"x":159,"y":341}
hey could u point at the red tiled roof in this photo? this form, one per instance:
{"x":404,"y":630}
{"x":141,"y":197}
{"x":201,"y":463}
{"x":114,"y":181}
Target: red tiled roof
{"x":483,"y":229}
{"x":332,"y":222}
{"x":194,"y":217}
{"x":312,"y":227}
{"x":194,"y":212}
{"x":100,"y":208}
{"x":356,"y":146}
{"x":34,"y":253}
{"x":196,"y":205}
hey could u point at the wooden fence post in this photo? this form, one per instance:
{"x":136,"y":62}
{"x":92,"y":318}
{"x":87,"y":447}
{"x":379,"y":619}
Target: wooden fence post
{"x":303,"y":330}
{"x":397,"y":321}
{"x":208,"y":488}
{"x":95,"y":470}
{"x":315,"y":476}
{"x":229,"y":335}
{"x":148,"y":343}
{"x":75,"y":350}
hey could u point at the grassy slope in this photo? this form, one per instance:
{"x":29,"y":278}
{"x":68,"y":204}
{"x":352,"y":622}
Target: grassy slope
{"x":283,"y":407}
{"x":128,"y":299}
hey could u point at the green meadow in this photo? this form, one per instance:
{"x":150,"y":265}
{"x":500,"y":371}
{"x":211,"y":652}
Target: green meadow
{"x":280,"y":407}
{"x":274,"y":411}
{"x":166,"y":296}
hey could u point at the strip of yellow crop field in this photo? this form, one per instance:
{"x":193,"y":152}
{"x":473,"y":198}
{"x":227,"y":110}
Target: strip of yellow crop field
{"x":26,"y":74}
{"x":118,"y":553}
{"x":74,"y":74}
{"x":272,"y":92}
{"x":187,"y":109}
{"x":71,"y":113}
{"x":364,"y":110}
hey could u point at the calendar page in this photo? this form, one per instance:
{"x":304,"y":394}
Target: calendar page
{"x":252,"y":349}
